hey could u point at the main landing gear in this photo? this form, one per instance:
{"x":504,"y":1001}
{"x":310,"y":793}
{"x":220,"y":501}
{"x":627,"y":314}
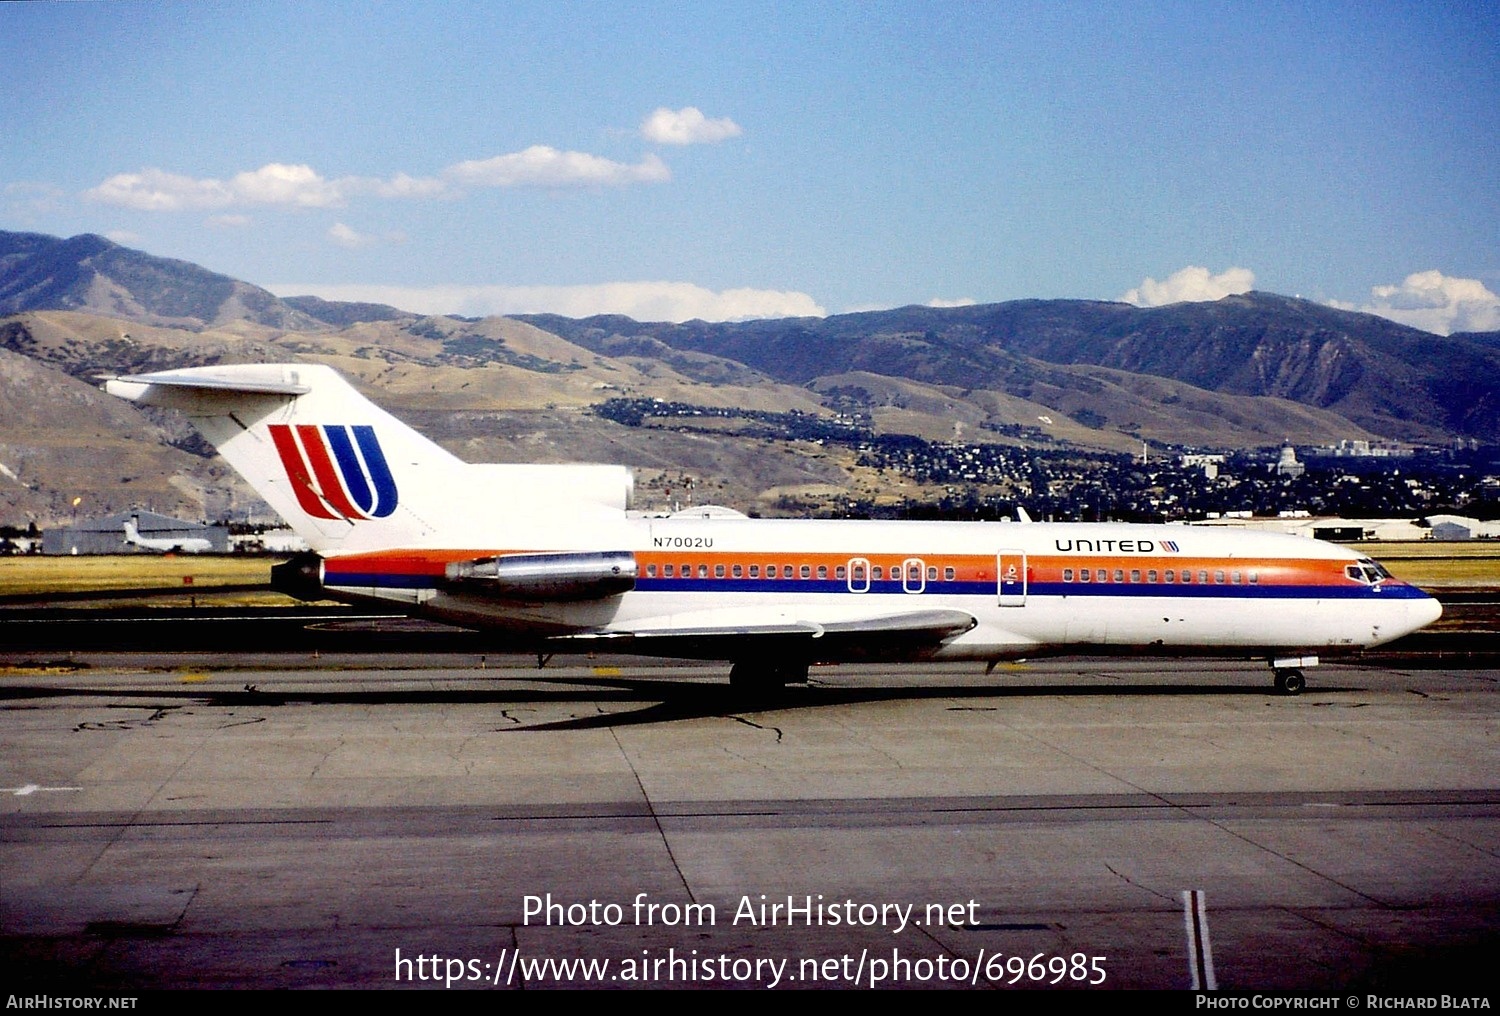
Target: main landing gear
{"x":1288,"y":673}
{"x":762,"y":676}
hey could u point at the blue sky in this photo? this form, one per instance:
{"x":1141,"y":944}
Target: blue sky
{"x":735,"y":160}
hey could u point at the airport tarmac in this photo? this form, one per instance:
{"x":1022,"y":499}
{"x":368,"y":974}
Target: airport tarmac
{"x":239,"y":820}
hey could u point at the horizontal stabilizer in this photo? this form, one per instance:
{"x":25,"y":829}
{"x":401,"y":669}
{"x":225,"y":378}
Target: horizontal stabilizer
{"x":269,"y":379}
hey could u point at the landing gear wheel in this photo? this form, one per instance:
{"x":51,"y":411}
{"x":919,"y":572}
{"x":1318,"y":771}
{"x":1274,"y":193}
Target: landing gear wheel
{"x":1289,"y":681}
{"x":793,"y":673}
{"x":761,"y":676}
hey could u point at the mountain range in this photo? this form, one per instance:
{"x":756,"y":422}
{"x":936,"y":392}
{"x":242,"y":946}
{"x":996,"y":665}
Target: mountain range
{"x":1248,"y":370}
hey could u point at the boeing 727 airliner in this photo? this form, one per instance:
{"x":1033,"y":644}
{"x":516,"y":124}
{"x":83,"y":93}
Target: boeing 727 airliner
{"x":550,"y":556}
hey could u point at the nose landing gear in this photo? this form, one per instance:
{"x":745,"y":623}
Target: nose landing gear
{"x":1288,"y":673}
{"x":1289,"y":681}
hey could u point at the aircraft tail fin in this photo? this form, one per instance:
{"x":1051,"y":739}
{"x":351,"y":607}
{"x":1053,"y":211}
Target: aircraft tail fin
{"x":345,"y":474}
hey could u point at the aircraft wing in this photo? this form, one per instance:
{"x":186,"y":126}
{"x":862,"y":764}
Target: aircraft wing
{"x":904,"y":632}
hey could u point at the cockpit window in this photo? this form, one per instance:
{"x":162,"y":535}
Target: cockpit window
{"x":1367,"y":571}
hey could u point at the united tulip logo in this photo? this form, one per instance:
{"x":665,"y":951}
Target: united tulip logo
{"x":336,"y":471}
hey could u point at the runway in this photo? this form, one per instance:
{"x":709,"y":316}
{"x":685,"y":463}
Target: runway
{"x":280,"y":820}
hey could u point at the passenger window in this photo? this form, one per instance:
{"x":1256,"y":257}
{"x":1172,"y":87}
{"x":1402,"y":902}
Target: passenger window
{"x":1083,"y":575}
{"x":822,"y":571}
{"x":1135,"y":575}
{"x":718,"y":571}
{"x":1151,"y":575}
{"x":931,"y":573}
{"x":1219,"y":577}
{"x":1187,"y":576}
{"x":1119,"y":575}
{"x":1067,"y":574}
{"x":1170,"y":576}
{"x":877,"y":573}
{"x":806,"y":572}
{"x":755,"y":571}
{"x":1203,"y":576}
{"x":1234,"y":577}
{"x":1254,"y":578}
{"x":948,"y":574}
{"x":703,"y":571}
{"x":838,"y":572}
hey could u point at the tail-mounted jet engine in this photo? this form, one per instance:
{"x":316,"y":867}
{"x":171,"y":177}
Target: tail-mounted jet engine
{"x":300,"y":577}
{"x":535,"y":578}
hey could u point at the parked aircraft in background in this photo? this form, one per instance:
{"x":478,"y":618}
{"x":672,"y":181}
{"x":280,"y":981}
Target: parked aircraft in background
{"x":182,"y":545}
{"x":549,"y":555}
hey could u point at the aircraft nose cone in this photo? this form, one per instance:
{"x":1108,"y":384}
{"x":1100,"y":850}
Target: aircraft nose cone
{"x":1419,"y":614}
{"x":1425,"y":612}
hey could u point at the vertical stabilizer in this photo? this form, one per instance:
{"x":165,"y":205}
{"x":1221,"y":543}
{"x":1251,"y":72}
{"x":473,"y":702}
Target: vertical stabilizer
{"x":344,"y":473}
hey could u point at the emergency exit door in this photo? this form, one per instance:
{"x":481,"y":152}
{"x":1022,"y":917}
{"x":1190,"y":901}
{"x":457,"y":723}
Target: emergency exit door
{"x":1011,"y":572}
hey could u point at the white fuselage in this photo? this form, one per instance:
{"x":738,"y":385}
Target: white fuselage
{"x":1152,"y":588}
{"x":186,"y":545}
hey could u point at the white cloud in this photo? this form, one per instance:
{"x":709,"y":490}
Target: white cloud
{"x":156,"y":190}
{"x":348,"y":236}
{"x":644,"y":301}
{"x":279,"y":184}
{"x":345,"y":236}
{"x":1435,"y":302}
{"x":963,"y":301}
{"x":301,"y":186}
{"x":399,"y":186}
{"x":1191,"y":284}
{"x":687,"y":126}
{"x":543,"y":166}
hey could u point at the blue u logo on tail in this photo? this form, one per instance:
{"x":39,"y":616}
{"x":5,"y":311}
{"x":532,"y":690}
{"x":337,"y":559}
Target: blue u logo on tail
{"x":336,"y":471}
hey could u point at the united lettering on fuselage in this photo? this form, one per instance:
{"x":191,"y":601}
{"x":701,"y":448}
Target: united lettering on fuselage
{"x":336,"y":472}
{"x":1115,"y":546}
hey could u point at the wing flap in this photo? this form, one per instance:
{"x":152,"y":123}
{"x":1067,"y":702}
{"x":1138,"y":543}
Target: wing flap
{"x":876,"y":636}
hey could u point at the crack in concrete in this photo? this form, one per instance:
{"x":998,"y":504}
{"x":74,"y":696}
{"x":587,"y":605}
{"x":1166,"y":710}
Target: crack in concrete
{"x":757,"y":726}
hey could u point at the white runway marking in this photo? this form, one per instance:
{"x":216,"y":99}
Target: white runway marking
{"x":32,"y":788}
{"x":1200,"y":953}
